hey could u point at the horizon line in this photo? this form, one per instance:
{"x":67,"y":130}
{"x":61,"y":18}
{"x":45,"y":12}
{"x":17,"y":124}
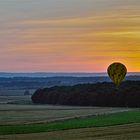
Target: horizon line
{"x":60,"y":72}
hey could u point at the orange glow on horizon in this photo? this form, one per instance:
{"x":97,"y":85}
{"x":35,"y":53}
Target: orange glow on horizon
{"x":84,"y":43}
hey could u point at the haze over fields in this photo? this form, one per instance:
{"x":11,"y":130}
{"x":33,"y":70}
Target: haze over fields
{"x":69,"y":35}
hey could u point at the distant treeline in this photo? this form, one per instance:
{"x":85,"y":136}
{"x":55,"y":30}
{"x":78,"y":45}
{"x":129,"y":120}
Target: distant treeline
{"x":99,"y":94}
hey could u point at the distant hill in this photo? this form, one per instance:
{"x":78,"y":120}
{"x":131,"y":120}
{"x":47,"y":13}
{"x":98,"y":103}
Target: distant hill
{"x":42,"y":82}
{"x":50,"y":74}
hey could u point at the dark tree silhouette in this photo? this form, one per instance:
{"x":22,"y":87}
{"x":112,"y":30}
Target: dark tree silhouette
{"x":99,"y":94}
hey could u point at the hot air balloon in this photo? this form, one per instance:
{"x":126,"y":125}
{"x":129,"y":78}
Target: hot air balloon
{"x":117,"y":72}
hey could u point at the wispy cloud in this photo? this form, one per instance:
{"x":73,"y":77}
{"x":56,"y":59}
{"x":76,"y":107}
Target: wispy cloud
{"x":86,"y":42}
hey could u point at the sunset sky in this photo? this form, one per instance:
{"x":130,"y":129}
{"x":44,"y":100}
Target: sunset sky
{"x":69,"y":35}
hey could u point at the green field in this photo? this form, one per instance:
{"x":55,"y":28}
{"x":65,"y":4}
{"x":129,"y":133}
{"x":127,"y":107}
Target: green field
{"x":20,"y":121}
{"x":118,"y":132}
{"x":25,"y":114}
{"x":92,"y":121}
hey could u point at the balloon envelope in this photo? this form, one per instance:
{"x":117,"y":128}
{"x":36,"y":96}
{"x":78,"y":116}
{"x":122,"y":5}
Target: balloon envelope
{"x":117,"y":72}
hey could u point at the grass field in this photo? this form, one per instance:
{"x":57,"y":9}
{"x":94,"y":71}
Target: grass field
{"x":65,"y":122}
{"x":25,"y":114}
{"x":118,"y":132}
{"x":14,"y":92}
{"x":92,"y":121}
{"x":15,"y":99}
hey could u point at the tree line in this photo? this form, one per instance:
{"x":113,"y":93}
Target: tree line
{"x":99,"y":94}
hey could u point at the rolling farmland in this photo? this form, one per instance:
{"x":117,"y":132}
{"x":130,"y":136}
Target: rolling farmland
{"x":19,"y":115}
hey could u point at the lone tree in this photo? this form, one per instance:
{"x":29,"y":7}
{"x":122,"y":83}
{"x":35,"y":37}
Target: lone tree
{"x":27,"y":92}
